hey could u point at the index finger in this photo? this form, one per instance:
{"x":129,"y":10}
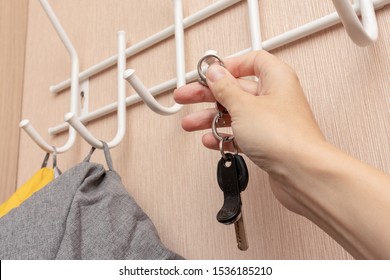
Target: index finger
{"x":193,"y":93}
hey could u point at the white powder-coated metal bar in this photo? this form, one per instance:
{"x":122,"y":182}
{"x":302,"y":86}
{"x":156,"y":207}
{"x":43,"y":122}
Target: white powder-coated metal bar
{"x":148,"y":42}
{"x":254,"y":24}
{"x":179,"y":43}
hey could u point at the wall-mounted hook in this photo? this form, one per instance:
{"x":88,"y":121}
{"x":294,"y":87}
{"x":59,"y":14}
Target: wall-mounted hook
{"x":147,"y":97}
{"x":362,"y":34}
{"x":25,"y":124}
{"x":72,"y":119}
{"x":141,"y":89}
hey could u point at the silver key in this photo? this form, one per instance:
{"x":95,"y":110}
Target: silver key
{"x":239,"y":227}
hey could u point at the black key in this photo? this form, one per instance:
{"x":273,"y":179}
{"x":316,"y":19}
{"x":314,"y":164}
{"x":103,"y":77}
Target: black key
{"x":243,"y":175}
{"x":232,"y":176}
{"x":227,"y":176}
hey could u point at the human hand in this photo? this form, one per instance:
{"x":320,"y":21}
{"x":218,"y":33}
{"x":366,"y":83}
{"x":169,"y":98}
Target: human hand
{"x":271,"y":119}
{"x":274,"y":126}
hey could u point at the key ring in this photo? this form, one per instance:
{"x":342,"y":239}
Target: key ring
{"x":227,"y":139}
{"x":202,"y":76}
{"x":218,"y":119}
{"x":214,"y":124}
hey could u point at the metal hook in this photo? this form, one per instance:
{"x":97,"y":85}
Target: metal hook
{"x":362,"y":34}
{"x":140,"y":88}
{"x":72,"y":119}
{"x":25,"y":124}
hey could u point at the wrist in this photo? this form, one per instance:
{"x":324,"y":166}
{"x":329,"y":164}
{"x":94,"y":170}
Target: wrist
{"x":300,"y":173}
{"x":342,"y":195}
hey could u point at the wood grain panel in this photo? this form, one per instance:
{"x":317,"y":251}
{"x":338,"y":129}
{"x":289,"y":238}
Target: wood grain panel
{"x":13,"y":27}
{"x":167,"y":170}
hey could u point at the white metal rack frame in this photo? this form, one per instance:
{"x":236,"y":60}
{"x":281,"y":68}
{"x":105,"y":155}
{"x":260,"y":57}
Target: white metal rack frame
{"x":361,"y":33}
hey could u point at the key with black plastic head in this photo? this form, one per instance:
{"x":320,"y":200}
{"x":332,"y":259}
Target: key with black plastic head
{"x":232,"y":176}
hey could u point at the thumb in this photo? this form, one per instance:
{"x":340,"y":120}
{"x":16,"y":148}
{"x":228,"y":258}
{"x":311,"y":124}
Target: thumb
{"x":223,"y":85}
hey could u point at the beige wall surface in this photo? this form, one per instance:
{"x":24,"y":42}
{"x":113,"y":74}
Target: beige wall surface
{"x":13,"y":27}
{"x":167,"y":170}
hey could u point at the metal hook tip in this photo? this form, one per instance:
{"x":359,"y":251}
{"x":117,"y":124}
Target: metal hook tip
{"x":68,"y":116}
{"x":24,"y":123}
{"x":128,"y":74}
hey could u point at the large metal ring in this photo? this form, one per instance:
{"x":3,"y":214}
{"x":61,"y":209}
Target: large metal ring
{"x":202,"y":76}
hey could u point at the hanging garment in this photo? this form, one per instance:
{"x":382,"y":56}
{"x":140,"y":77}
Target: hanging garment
{"x":40,"y":179}
{"x":84,"y":214}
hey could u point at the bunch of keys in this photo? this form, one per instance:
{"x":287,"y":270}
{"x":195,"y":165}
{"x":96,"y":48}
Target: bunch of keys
{"x":232,"y":172}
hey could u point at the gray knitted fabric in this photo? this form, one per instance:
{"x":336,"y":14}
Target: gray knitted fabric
{"x":83,"y":214}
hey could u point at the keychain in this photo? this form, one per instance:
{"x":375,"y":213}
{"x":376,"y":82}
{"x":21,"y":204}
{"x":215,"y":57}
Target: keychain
{"x":232,"y":172}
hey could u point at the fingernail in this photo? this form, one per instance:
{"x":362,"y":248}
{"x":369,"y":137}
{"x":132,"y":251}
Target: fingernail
{"x":215,"y":72}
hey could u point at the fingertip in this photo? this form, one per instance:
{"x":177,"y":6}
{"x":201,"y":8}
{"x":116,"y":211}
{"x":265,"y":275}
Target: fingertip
{"x":210,"y":142}
{"x":186,"y":124}
{"x":215,"y":73}
{"x":199,"y":120}
{"x":177,"y":95}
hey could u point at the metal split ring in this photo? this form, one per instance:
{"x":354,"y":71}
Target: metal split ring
{"x":214,"y":124}
{"x":227,"y":139}
{"x":202,"y":76}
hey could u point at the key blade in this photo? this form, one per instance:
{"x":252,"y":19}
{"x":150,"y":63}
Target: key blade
{"x":242,"y":242}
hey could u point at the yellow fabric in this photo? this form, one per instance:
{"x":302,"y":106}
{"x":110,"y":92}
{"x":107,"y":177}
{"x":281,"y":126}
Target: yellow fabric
{"x":40,"y":179}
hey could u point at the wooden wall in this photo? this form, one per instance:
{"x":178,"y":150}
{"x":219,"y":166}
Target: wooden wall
{"x":167,"y":170}
{"x":13,"y":28}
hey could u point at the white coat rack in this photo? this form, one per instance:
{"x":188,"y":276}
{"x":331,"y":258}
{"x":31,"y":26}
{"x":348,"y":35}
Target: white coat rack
{"x":362,"y":33}
{"x":72,"y":116}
